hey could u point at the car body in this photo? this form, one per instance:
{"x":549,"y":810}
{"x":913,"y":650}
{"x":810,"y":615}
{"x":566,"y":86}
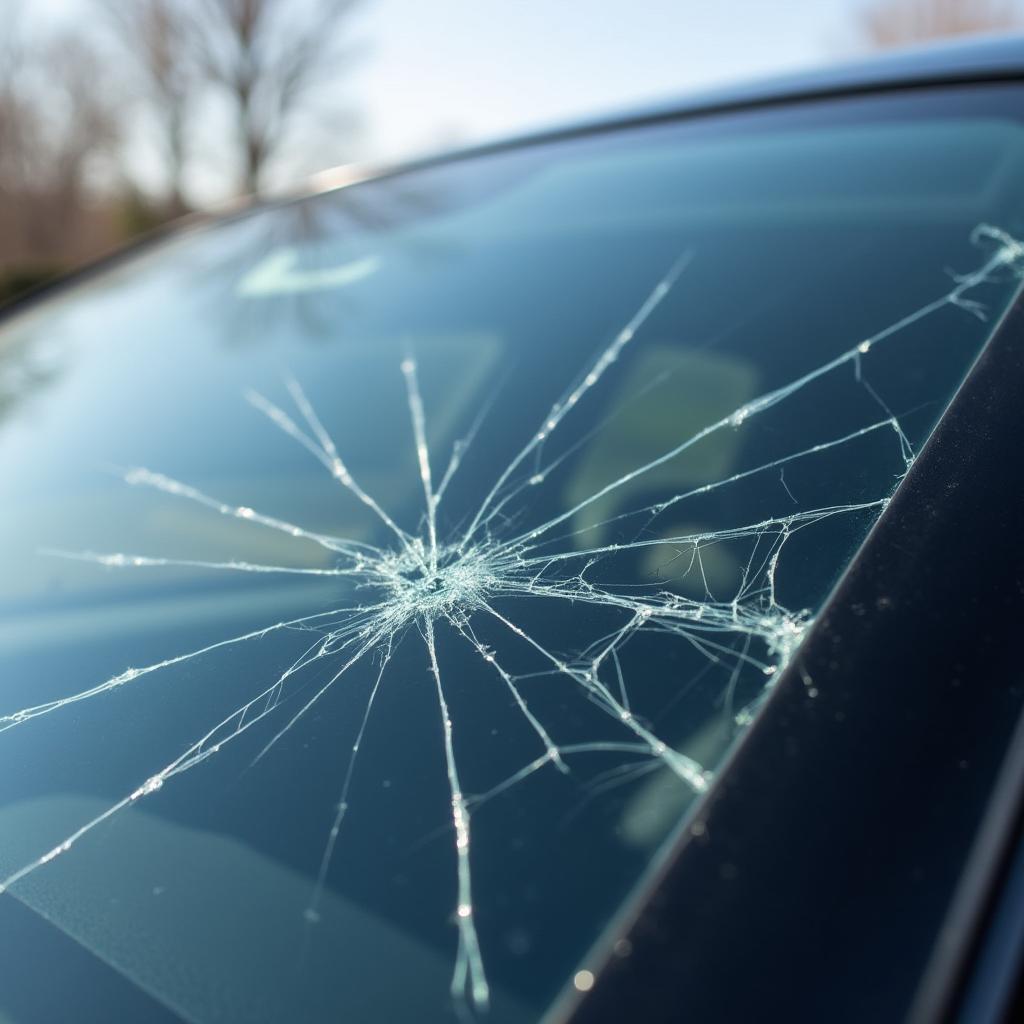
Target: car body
{"x":670,"y":587}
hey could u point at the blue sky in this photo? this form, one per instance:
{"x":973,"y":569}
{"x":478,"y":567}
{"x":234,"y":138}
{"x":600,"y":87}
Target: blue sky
{"x":436,"y":72}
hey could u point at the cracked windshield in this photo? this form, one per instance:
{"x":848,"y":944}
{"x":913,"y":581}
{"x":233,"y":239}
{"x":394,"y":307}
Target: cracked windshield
{"x":388,"y":573}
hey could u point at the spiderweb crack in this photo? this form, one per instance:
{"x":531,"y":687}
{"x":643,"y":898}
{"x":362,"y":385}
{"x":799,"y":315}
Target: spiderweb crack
{"x":427,"y":577}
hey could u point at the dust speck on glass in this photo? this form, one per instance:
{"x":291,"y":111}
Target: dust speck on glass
{"x":386,"y":574}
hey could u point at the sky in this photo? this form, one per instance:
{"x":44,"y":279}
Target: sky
{"x":474,"y":69}
{"x":428,"y":74}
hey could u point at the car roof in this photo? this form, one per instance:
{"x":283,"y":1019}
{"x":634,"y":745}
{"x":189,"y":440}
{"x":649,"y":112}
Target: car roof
{"x":978,"y":59}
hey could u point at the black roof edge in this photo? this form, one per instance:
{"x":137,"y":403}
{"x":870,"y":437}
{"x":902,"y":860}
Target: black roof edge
{"x":981,"y":59}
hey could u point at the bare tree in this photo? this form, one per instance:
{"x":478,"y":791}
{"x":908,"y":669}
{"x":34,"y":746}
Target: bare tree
{"x":267,"y":55}
{"x":56,"y":123}
{"x":158,"y":36}
{"x":889,"y":23}
{"x":86,"y":126}
{"x":15,"y":119}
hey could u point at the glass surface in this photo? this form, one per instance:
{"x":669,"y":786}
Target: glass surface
{"x":386,"y":574}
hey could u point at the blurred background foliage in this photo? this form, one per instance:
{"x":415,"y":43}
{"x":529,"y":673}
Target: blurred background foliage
{"x":71,"y":100}
{"x":237,"y":84}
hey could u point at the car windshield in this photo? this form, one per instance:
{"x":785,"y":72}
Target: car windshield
{"x":387,"y":574}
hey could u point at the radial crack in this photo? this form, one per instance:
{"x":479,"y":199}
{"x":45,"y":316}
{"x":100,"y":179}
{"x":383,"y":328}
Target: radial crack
{"x":463,"y":573}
